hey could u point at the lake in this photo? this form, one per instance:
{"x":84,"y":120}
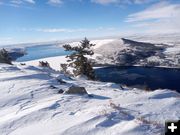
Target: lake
{"x":42,"y":51}
{"x":141,"y":77}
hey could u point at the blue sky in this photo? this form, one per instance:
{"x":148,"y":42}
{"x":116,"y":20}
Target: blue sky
{"x":47,"y":20}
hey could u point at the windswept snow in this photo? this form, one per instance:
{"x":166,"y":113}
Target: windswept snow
{"x":173,"y":50}
{"x":55,"y":61}
{"x":29,"y":105}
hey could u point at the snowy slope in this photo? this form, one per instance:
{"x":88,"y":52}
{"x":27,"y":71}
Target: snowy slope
{"x":127,"y":52}
{"x":54,"y":61}
{"x":28,"y":105}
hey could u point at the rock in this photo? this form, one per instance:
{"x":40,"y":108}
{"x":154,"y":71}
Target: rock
{"x":114,"y":85}
{"x":53,"y":87}
{"x":76,"y":90}
{"x":61,"y":81}
{"x":60,"y":91}
{"x":22,"y":64}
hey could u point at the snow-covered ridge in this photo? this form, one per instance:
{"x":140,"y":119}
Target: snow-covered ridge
{"x":129,"y":52}
{"x":29,"y":105}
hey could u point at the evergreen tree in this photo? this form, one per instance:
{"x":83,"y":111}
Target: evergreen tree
{"x":4,"y":57}
{"x":77,"y":60}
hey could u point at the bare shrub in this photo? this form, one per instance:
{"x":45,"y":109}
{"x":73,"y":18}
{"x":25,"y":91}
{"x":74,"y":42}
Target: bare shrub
{"x":64,"y":69}
{"x":44,"y":64}
{"x":140,"y":118}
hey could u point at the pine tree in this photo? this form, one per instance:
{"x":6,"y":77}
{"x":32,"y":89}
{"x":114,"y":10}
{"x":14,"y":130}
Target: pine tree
{"x":77,"y":60}
{"x":4,"y":57}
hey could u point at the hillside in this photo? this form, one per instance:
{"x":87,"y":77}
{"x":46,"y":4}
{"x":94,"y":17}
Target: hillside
{"x":30,"y":104}
{"x":126,"y":52}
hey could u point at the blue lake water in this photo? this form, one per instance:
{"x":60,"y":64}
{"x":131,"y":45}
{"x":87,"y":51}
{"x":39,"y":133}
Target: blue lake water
{"x":141,"y":77}
{"x":42,"y":51}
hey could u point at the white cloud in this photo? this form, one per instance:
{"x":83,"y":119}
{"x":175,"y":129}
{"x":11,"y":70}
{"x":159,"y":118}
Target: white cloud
{"x":55,"y":2}
{"x":30,"y":1}
{"x":157,"y":11}
{"x":17,"y":3}
{"x":160,"y":18}
{"x":64,"y":30}
{"x":105,"y":2}
{"x":55,"y":30}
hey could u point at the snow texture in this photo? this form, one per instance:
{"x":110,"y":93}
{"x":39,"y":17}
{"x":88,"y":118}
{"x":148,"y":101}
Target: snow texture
{"x":30,"y":104}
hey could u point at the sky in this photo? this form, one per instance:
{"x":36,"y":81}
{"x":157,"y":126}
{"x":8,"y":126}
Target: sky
{"x":23,"y":21}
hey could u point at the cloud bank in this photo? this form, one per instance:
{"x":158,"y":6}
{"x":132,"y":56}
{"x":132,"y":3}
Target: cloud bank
{"x":162,"y":17}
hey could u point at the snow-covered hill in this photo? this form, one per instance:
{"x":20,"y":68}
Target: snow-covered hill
{"x":127,"y":52}
{"x":30,"y":104}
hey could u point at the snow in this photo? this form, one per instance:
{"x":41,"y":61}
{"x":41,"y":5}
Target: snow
{"x":154,"y":59}
{"x":28,"y":105}
{"x":169,"y":39}
{"x":173,"y":50}
{"x":54,"y":61}
{"x":98,"y":42}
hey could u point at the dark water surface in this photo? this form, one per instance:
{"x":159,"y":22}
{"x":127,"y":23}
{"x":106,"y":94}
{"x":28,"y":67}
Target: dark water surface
{"x":42,"y":51}
{"x":141,"y":77}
